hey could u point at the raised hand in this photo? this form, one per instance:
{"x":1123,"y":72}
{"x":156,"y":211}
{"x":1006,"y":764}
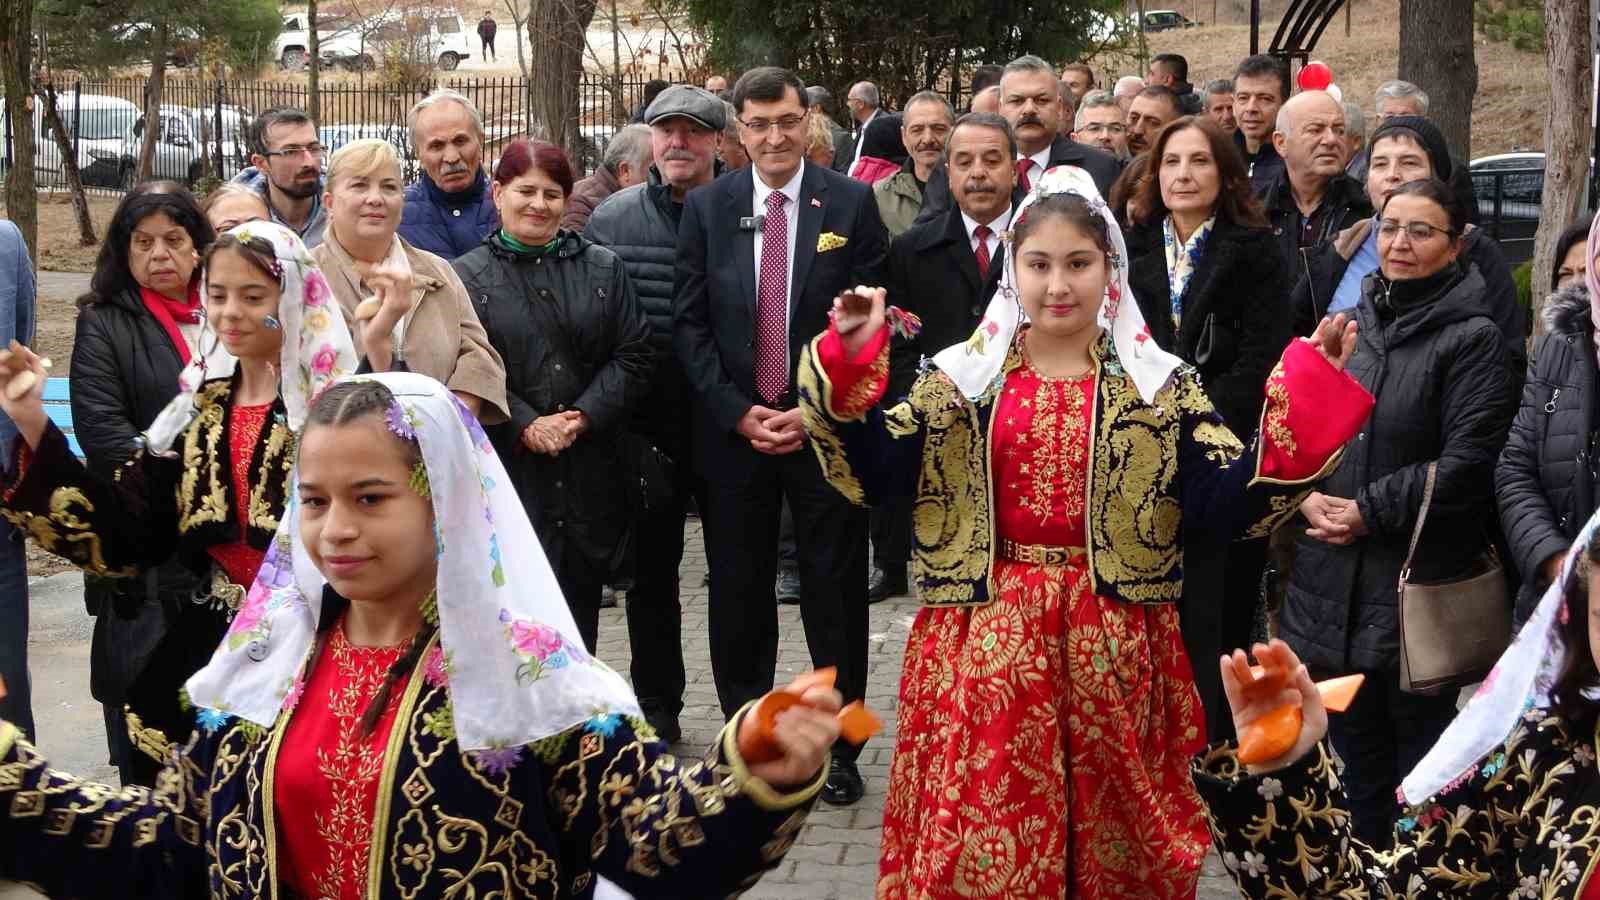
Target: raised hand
{"x":858,"y":315}
{"x":1283,"y":682}
{"x":22,"y":377}
{"x":805,"y":732}
{"x":1335,"y":339}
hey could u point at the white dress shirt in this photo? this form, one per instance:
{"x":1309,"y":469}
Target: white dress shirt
{"x":791,"y":215}
{"x":1000,"y":223}
{"x":1041,"y":161}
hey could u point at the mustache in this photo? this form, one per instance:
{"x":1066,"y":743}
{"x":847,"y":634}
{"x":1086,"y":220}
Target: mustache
{"x":455,"y":168}
{"x":979,"y":187}
{"x":678,"y":156}
{"x":930,"y":145}
{"x":1028,"y":119}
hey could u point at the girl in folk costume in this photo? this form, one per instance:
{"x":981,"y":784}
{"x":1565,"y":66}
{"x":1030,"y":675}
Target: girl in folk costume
{"x":1504,"y":805}
{"x":211,"y":482}
{"x":403,"y":709}
{"x":1047,"y":708}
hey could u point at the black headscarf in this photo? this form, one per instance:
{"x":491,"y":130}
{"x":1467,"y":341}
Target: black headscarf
{"x":882,"y":139}
{"x":1427,"y":136}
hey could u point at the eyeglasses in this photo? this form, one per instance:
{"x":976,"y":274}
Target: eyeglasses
{"x":759,"y":127}
{"x":1104,"y":127}
{"x":1416,"y":231}
{"x":297,"y":150}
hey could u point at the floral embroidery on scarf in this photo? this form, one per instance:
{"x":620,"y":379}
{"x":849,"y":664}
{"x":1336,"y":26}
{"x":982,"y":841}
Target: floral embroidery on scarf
{"x":543,"y":649}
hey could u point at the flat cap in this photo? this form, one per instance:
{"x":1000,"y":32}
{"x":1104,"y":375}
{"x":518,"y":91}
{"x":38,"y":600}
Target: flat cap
{"x":690,"y":102}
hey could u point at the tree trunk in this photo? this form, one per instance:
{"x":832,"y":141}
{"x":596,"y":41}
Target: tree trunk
{"x":16,"y":73}
{"x":313,"y":66}
{"x":152,"y":101}
{"x":69,"y":168}
{"x":1569,"y":66}
{"x":556,"y":38}
{"x":1436,"y":54}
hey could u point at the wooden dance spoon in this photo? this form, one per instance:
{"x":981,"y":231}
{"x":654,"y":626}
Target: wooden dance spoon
{"x":1274,"y":734}
{"x":757,"y":743}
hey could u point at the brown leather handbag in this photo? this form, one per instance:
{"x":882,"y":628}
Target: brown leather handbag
{"x":1451,"y":632}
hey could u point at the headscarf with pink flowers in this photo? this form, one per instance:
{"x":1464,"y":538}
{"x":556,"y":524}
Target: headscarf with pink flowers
{"x":317,"y":348}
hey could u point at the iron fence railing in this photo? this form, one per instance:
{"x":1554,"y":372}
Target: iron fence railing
{"x":205,"y":124}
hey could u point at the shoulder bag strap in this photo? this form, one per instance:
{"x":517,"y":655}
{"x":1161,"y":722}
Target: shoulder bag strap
{"x":1422,"y":519}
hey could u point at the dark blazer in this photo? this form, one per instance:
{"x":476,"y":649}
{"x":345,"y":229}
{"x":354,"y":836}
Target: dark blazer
{"x":1235,"y":313}
{"x":844,"y":150}
{"x":715,"y":286}
{"x":932,"y":271}
{"x":1101,"y":166}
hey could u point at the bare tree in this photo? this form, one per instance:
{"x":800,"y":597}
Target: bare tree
{"x":16,"y":74}
{"x":556,"y":38}
{"x":518,"y":10}
{"x":152,"y":99}
{"x":1436,"y":53}
{"x":1567,"y":133}
{"x":69,"y":166}
{"x":313,"y":65}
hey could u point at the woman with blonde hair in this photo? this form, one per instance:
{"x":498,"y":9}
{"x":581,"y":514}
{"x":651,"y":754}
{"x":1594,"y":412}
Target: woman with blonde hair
{"x":429,"y":325}
{"x":819,"y":140}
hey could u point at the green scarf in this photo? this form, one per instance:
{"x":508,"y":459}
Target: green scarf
{"x":504,"y":239}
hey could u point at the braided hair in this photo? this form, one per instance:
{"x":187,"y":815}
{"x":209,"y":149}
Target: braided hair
{"x":342,"y":404}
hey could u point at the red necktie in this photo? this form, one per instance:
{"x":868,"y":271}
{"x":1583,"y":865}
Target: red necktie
{"x":982,"y":233}
{"x":1024,"y":166}
{"x":772,"y":295}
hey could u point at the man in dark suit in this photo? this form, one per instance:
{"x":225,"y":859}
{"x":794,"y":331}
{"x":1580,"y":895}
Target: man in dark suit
{"x":944,"y":271}
{"x":761,"y":256}
{"x":1030,"y":99}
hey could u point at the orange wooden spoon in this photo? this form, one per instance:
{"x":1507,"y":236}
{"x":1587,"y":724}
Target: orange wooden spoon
{"x":1274,"y":734}
{"x":757,"y":743}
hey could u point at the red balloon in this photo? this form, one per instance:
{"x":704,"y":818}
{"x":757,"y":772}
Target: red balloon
{"x":1315,"y":76}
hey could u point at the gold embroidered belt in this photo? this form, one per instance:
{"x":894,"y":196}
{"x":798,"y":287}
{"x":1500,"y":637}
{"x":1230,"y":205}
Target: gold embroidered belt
{"x":1040,"y":554}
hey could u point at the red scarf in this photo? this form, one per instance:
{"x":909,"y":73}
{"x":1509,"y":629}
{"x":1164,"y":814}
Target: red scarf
{"x":170,"y":313}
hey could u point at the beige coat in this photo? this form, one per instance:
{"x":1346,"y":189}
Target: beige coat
{"x":443,"y":338}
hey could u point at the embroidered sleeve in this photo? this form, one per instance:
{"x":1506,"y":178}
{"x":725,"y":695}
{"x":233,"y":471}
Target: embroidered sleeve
{"x":657,"y":825}
{"x":75,"y":838}
{"x":1312,"y":409}
{"x":1287,"y":834}
{"x":851,"y":386}
{"x":873,"y":453}
{"x":106,"y":526}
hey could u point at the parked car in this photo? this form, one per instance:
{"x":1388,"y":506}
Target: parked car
{"x":336,"y":38}
{"x":1510,"y":188}
{"x":183,"y":152}
{"x":101,"y":122}
{"x":440,"y":36}
{"x":1166,"y":20}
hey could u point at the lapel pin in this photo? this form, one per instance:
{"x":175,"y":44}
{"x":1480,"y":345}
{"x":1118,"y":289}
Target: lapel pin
{"x":817,"y":203}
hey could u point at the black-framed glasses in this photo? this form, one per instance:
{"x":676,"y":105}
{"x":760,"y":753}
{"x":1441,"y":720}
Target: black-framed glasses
{"x":762,"y":126}
{"x":297,"y":150}
{"x":1416,"y":231}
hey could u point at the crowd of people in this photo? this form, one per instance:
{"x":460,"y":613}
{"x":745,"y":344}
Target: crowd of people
{"x":1113,"y":381}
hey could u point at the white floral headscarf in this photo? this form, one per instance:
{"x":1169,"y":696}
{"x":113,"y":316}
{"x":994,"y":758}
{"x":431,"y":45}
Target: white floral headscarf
{"x":509,"y":646}
{"x":317,"y":347}
{"x":975,"y":364}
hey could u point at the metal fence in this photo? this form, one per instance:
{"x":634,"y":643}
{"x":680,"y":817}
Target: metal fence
{"x":205,"y":124}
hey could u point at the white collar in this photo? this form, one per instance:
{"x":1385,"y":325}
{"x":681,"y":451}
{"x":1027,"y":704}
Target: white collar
{"x":997,"y":227}
{"x":791,"y":189}
{"x":1041,"y":160}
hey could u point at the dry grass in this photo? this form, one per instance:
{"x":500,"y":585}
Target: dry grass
{"x":1508,"y":112}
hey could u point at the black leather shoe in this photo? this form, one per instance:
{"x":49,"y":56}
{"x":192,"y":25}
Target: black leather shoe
{"x":788,"y":587}
{"x":665,"y":725}
{"x":844,"y":785}
{"x":883,"y":585}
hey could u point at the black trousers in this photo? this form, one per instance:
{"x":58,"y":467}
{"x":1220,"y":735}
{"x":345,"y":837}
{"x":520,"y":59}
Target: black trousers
{"x":581,"y":582}
{"x":891,"y":534}
{"x":655,"y":615}
{"x":741,"y":528}
{"x":1221,"y":589}
{"x":1381,"y":738}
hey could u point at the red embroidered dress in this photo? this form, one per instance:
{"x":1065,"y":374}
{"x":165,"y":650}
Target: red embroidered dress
{"x":240,"y":560}
{"x":326,"y":780}
{"x":1044,"y":737}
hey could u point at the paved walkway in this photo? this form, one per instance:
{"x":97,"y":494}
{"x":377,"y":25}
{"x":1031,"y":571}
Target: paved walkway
{"x":62,"y":285}
{"x":837,"y":855}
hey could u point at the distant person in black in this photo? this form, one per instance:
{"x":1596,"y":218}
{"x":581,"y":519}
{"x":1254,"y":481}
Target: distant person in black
{"x":486,"y":32}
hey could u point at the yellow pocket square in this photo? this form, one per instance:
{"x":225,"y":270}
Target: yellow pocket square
{"x":829,"y":241}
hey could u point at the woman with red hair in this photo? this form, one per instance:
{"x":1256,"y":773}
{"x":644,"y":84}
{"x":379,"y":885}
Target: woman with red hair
{"x":562,"y":314}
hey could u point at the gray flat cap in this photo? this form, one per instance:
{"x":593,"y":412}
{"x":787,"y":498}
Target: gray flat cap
{"x":690,"y":102}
